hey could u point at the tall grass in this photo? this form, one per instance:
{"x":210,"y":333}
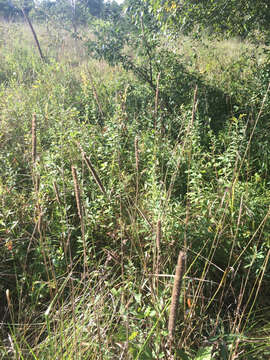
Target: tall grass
{"x":120,"y":188}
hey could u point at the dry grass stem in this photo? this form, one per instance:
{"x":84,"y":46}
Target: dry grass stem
{"x":34,"y":139}
{"x":157,"y":254}
{"x":180,"y":269}
{"x":195,"y":104}
{"x":156,"y":99}
{"x":80,"y":214}
{"x":94,"y":173}
{"x":158,"y":238}
{"x":77,"y":191}
{"x":56,"y":192}
{"x":136,"y":146}
{"x":35,"y":175}
{"x":92,"y":170}
{"x":10,"y":306}
{"x":95,"y":93}
{"x":8,"y":298}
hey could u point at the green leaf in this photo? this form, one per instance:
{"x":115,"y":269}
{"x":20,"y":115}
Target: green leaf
{"x":182,"y":355}
{"x":224,"y":352}
{"x":204,"y":353}
{"x":138,"y":298}
{"x":133,"y":335}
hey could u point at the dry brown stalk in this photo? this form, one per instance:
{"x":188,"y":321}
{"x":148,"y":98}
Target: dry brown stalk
{"x":94,"y":173}
{"x":80,"y":214}
{"x":136,"y":146}
{"x":8,"y":298}
{"x":158,"y":237}
{"x":157,"y":253}
{"x":156,"y":100}
{"x":77,"y":191}
{"x":35,"y":175}
{"x":92,"y":170}
{"x":34,"y":138}
{"x":56,"y":192}
{"x":10,"y":306}
{"x":95,"y":93}
{"x":180,"y":269}
{"x":195,"y":104}
{"x":137,"y":162}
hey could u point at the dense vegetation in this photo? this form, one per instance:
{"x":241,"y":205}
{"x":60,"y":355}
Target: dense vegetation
{"x":133,"y":140}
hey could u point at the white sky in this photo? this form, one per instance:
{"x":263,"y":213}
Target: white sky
{"x":118,"y":1}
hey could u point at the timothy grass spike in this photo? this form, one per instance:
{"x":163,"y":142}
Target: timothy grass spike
{"x":180,"y":268}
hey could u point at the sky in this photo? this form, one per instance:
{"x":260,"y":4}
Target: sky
{"x":118,"y":1}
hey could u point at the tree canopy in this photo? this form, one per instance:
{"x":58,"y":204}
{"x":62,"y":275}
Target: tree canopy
{"x":232,"y":17}
{"x":10,"y":9}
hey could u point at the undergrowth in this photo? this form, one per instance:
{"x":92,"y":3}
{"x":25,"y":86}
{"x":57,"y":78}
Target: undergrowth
{"x":101,"y":187}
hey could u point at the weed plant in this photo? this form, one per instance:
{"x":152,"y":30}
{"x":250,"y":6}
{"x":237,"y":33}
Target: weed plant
{"x":101,"y":187}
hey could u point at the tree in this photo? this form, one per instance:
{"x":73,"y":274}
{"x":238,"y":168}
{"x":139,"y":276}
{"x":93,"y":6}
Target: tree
{"x":8,"y":10}
{"x":20,"y":8}
{"x":133,"y":40}
{"x":232,"y":17}
{"x":69,"y":13}
{"x":95,"y":7}
{"x":112,"y":10}
{"x":136,"y":29}
{"x":62,"y":13}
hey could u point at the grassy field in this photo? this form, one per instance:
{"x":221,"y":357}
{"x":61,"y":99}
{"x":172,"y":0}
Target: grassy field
{"x":103,"y":184}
